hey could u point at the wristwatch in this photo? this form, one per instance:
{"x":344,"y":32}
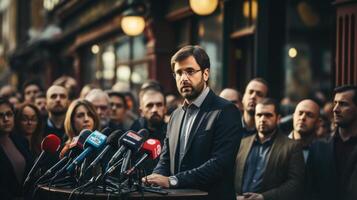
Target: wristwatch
{"x":173,"y":182}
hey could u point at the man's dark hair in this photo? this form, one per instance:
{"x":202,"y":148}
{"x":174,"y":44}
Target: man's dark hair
{"x":118,"y":94}
{"x":197,"y":52}
{"x":151,"y":89}
{"x":271,"y":101}
{"x":32,"y":82}
{"x":40,"y":95}
{"x":7,"y":102}
{"x":346,"y":88}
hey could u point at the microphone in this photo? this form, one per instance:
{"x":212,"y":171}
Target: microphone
{"x":50,"y":144}
{"x":130,"y":140}
{"x":144,"y":134}
{"x":95,"y":141}
{"x":106,"y":131}
{"x":151,"y":148}
{"x":75,"y":147}
{"x":111,"y":143}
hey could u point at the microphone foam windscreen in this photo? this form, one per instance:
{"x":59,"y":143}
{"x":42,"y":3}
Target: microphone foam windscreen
{"x":51,"y":143}
{"x":152,"y":147}
{"x":83,"y":135}
{"x":106,"y":131}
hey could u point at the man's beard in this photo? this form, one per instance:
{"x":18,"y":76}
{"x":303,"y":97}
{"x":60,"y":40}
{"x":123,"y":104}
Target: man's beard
{"x":59,"y":112}
{"x":155,"y":120}
{"x":195,"y":91}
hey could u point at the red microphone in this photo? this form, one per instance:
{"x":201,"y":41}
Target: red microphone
{"x":50,"y":144}
{"x":151,"y":148}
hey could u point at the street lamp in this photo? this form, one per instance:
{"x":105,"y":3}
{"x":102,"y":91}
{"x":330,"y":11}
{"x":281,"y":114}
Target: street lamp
{"x":133,"y":25}
{"x":203,"y":7}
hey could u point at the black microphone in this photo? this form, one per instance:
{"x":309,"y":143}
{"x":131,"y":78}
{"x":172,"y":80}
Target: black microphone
{"x":129,"y":141}
{"x":111,"y":143}
{"x":50,"y":144}
{"x":144,"y":134}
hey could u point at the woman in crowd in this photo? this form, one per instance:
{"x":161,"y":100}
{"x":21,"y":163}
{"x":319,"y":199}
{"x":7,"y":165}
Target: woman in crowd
{"x":80,"y":115}
{"x":15,"y":157}
{"x":29,"y":124}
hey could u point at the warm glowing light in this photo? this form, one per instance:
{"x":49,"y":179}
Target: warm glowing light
{"x":247,"y":9}
{"x":292,"y":52}
{"x":133,"y":25}
{"x":95,"y":49}
{"x":203,"y":7}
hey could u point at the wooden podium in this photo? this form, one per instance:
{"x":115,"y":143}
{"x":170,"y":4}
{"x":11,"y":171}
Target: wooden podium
{"x":45,"y":193}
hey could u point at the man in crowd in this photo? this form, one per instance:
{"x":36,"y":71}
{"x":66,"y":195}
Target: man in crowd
{"x":40,"y":103}
{"x":268,"y":165}
{"x":233,"y":96}
{"x":332,"y":164}
{"x":119,"y":107}
{"x":202,"y":135}
{"x":30,"y":90}
{"x":57,"y":105}
{"x":305,"y":122}
{"x":256,"y":90}
{"x":152,"y":111}
{"x":101,"y":102}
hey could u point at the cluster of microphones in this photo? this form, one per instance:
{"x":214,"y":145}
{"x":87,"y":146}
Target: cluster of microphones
{"x":107,"y":161}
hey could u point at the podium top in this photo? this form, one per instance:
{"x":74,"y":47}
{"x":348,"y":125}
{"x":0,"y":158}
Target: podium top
{"x":59,"y":193}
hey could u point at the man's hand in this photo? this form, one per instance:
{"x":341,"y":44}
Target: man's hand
{"x":253,"y":196}
{"x":157,"y":179}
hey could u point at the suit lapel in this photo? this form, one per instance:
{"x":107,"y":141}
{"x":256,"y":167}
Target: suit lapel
{"x":198,"y":120}
{"x":241,"y":158}
{"x":174,"y":136}
{"x":277,"y":143}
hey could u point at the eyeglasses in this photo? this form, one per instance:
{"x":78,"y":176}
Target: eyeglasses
{"x":116,"y":105}
{"x":6,"y":114}
{"x":27,"y":120}
{"x":189,"y":73}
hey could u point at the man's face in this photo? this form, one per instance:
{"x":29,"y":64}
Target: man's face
{"x":118,"y":109}
{"x":344,"y":110}
{"x":40,"y":103}
{"x":102,"y":108}
{"x":306,"y":117}
{"x":254,"y":93}
{"x":233,"y":97}
{"x":30,"y":93}
{"x":57,"y":100}
{"x":190,"y":80}
{"x":152,"y":107}
{"x":266,"y":120}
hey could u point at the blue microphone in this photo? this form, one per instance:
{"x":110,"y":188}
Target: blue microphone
{"x":94,"y":142}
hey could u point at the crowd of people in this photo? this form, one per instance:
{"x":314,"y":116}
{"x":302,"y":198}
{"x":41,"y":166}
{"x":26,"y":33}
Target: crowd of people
{"x":232,"y":145}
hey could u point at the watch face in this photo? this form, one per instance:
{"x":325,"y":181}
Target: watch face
{"x":173,"y":181}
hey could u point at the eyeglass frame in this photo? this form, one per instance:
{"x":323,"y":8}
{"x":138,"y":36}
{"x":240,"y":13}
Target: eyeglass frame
{"x":7,"y":114}
{"x":188,"y":73}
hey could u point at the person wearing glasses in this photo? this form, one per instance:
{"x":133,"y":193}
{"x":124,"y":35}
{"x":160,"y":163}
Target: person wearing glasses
{"x":118,"y":118}
{"x":29,"y":124}
{"x":202,"y":135}
{"x":101,"y":102}
{"x":15,"y":156}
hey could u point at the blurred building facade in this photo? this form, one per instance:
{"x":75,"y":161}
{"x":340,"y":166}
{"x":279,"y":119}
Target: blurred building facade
{"x":292,"y":44}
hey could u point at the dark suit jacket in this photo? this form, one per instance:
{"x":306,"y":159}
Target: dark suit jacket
{"x":322,"y":175}
{"x":9,"y":186}
{"x":284,"y":174}
{"x":209,"y":155}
